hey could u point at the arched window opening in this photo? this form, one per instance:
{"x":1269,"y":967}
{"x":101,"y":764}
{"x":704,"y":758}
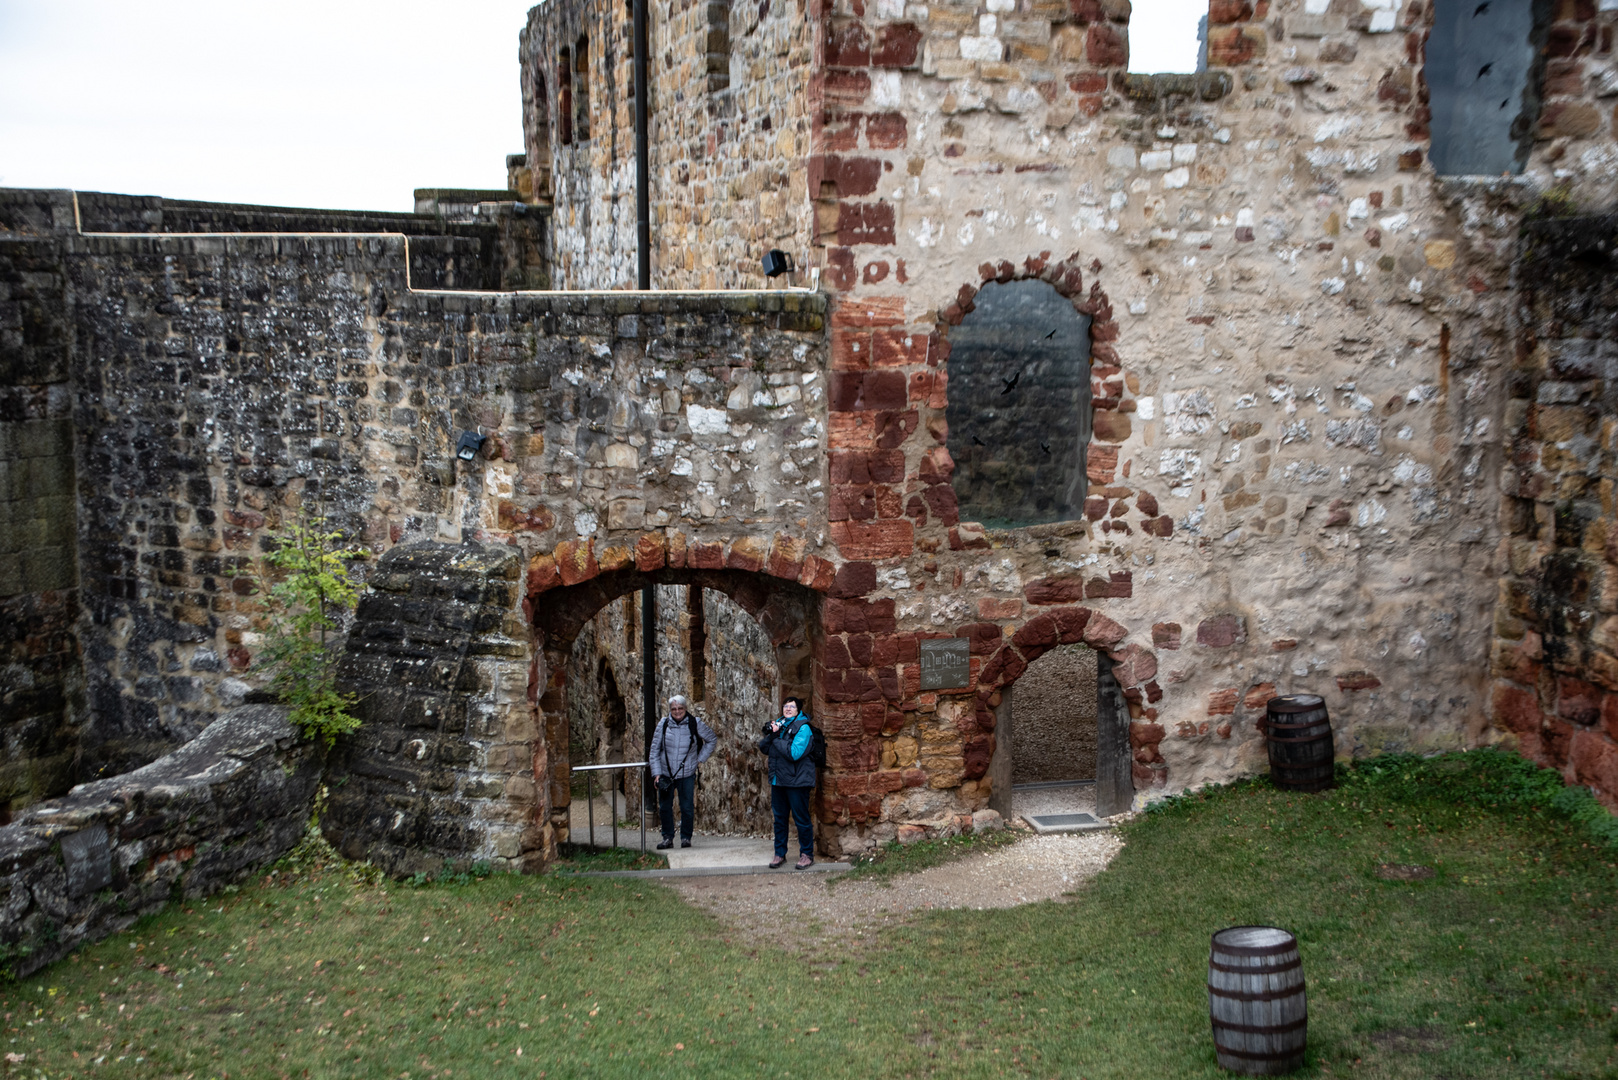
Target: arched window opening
{"x":1019,"y":406}
{"x":1168,"y":36}
{"x":564,"y":98}
{"x":581,"y":92}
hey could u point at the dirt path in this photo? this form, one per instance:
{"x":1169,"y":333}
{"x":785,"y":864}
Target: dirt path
{"x":798,"y":912}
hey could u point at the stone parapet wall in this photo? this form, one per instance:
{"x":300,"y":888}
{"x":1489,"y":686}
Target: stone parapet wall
{"x":41,"y":674}
{"x":75,"y":869}
{"x":1555,"y":655}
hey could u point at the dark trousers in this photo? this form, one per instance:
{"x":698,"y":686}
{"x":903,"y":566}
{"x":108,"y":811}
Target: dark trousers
{"x":794,"y":801}
{"x":687,"y":787}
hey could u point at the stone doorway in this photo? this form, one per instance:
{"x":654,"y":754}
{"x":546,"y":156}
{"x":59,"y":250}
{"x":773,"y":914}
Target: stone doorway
{"x":734,"y":642}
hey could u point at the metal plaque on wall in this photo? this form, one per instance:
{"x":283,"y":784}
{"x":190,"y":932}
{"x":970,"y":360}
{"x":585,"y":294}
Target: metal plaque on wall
{"x":87,"y":857}
{"x":946,"y":663}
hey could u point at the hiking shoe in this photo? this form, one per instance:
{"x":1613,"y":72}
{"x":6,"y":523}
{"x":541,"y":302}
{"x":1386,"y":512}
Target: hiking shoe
{"x":805,"y":862}
{"x":665,"y":845}
{"x":685,"y":843}
{"x":775,"y":863}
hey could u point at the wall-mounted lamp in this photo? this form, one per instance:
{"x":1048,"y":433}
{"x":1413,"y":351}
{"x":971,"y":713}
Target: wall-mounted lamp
{"x":471,"y":442}
{"x":777,"y":263}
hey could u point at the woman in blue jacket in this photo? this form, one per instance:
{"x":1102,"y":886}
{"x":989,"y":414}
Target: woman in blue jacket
{"x":786,"y":742}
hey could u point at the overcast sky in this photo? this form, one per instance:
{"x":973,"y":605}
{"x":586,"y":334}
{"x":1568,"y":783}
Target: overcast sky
{"x":329,"y":103}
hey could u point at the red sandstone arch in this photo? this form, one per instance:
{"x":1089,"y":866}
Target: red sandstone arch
{"x":772,"y":581}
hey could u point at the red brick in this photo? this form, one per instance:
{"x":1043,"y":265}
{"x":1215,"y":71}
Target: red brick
{"x":854,"y":579}
{"x":848,"y":45}
{"x":876,"y":540}
{"x":941,"y":501}
{"x":1104,"y":46}
{"x":1101,"y":632}
{"x":1005,"y":666}
{"x":865,"y":223}
{"x":967,"y":537}
{"x":1229,"y":11}
{"x":786,"y":558}
{"x":841,"y":273}
{"x":850,"y":684}
{"x":1070,"y":623}
{"x":1054,"y":590}
{"x":1222,"y":631}
{"x":1166,"y":635}
{"x":869,"y":311}
{"x":859,"y":649}
{"x":1120,"y":585}
{"x":1143,"y":736}
{"x":1095,"y":507}
{"x":1159,"y":526}
{"x":1232,"y":46}
{"x":1110,"y":426}
{"x":985,"y":637}
{"x":706,"y":555}
{"x":1039,"y":632}
{"x":1259,"y":695}
{"x":898,"y":348}
{"x":976,"y":756}
{"x":886,"y":131}
{"x":1357,"y":680}
{"x":542,"y":574}
{"x":818,"y":574}
{"x":862,"y":391}
{"x":576,"y":560}
{"x":651,"y":553}
{"x":1100,"y":463}
{"x":834,"y":653}
{"x":1146,"y":502}
{"x":991,"y":607}
{"x":846,"y":87}
{"x":1154,"y":692}
{"x":1087,"y":11}
{"x":1222,"y":702}
{"x":898,"y":45}
{"x":1134,"y":665}
{"x":851,"y":175}
{"x":851,"y":352}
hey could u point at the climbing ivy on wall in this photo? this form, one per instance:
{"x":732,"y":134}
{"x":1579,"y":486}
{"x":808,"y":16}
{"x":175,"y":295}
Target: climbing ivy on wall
{"x":307,"y":580}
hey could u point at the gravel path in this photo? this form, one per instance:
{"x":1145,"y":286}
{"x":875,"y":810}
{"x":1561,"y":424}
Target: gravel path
{"x":796,"y":912}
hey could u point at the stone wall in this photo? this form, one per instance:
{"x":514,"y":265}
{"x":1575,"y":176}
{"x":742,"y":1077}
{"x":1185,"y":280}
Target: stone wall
{"x":731,"y":130}
{"x":449,"y":762}
{"x":1053,"y":718}
{"x":1556,"y":628}
{"x":42,"y":703}
{"x":79,"y":868}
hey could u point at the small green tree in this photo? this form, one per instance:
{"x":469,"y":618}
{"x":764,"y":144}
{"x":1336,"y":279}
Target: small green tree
{"x":307,"y":597}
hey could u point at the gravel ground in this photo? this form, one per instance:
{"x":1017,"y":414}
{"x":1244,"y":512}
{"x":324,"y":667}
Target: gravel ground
{"x":1062,"y":800}
{"x":798,"y":912}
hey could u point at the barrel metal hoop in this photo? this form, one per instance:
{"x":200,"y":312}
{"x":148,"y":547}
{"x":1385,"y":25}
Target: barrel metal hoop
{"x":1291,"y":965}
{"x":1273,"y":995}
{"x":1262,"y":1029}
{"x":1258,"y":1055}
{"x":1257,"y":950}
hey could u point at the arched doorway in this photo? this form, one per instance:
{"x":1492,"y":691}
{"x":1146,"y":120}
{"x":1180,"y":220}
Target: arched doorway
{"x":764,"y":625}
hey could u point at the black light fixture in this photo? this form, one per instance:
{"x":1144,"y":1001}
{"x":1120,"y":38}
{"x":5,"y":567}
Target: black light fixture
{"x":776,"y":263}
{"x":471,"y":442}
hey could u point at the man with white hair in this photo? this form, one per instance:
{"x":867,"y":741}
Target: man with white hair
{"x":680,"y":743}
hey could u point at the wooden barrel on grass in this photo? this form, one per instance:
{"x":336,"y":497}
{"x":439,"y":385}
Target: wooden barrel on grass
{"x":1256,"y":1000}
{"x":1300,"y":743}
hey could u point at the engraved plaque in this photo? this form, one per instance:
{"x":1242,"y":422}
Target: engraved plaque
{"x":946,"y":663}
{"x":87,"y":856}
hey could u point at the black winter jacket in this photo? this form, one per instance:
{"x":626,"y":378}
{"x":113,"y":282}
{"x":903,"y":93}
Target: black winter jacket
{"x":784,"y":771}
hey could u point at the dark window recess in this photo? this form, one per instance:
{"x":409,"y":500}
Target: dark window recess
{"x":581,"y":89}
{"x":718,"y":45}
{"x":1483,"y":73}
{"x":564,"y":98}
{"x":1019,"y":406}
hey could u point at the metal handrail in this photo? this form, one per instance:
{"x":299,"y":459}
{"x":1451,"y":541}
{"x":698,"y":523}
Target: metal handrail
{"x":590,"y":798}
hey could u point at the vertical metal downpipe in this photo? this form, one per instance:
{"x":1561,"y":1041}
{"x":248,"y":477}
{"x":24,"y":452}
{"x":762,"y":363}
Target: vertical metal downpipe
{"x":643,"y":165}
{"x":648,"y":668}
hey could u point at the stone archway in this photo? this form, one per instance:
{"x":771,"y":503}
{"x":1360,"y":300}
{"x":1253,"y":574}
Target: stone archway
{"x":787,"y":612}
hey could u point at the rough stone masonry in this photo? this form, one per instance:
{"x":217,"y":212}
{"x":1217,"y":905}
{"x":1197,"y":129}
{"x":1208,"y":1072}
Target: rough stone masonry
{"x":1312,"y":359}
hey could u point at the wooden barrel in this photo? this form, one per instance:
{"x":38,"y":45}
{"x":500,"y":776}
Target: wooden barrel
{"x":1300,"y":742}
{"x":1256,"y":1000}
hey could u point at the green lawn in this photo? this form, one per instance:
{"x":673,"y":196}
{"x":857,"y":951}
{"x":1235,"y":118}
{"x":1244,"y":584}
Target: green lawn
{"x":1503,"y":964}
